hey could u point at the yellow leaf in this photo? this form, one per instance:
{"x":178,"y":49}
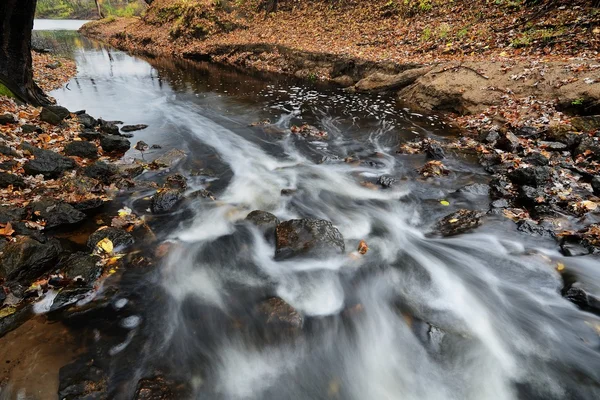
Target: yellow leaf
{"x":590,"y":205}
{"x":560,"y":266}
{"x":444,"y":203}
{"x":453,"y":220}
{"x":106,"y":245}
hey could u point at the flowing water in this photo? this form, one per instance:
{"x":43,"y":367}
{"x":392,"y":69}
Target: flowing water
{"x":478,"y":316}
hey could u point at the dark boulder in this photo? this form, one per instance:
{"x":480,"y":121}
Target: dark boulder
{"x":8,"y":179}
{"x":576,"y":294}
{"x":84,"y":378}
{"x":101,"y":171}
{"x":160,"y":388}
{"x":118,"y":237}
{"x":114,"y":144}
{"x":26,"y":259}
{"x":500,"y":187}
{"x":490,"y":160}
{"x":82,"y":149}
{"x":536,"y":159}
{"x":564,"y":134}
{"x":8,"y":151}
{"x":386,"y":181}
{"x":59,"y":111}
{"x":532,"y":228}
{"x":48,"y":163}
{"x":90,"y":135}
{"x":27,"y":128}
{"x":50,"y":117}
{"x":164,"y":200}
{"x":266,"y":223}
{"x":508,"y":142}
{"x":132,"y":128}
{"x":307,"y":237}
{"x":56,"y":213}
{"x":530,"y":196}
{"x":489,"y":137}
{"x":7,"y":119}
{"x":573,"y":246}
{"x":108,"y":127}
{"x":459,"y":222}
{"x":176,"y":181}
{"x":531,"y":176}
{"x":87,"y":121}
{"x":553,"y":146}
{"x":589,"y":145}
{"x":586,"y":123}
{"x":434,"y":151}
{"x":67,"y":297}
{"x":81,"y":267}
{"x":596,"y":185}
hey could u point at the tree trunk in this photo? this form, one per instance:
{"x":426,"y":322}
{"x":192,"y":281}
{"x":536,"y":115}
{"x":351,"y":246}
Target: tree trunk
{"x":16,"y":70}
{"x":99,"y":9}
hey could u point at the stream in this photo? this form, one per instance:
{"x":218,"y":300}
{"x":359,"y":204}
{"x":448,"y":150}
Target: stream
{"x":476,"y":316}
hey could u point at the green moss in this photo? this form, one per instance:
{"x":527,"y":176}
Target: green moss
{"x":4,"y":91}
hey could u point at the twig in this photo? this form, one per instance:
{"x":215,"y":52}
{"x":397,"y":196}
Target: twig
{"x":461,"y":66}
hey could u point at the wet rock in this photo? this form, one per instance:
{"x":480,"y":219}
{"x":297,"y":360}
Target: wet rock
{"x":500,"y":203}
{"x":490,"y":160}
{"x":8,"y":165}
{"x":8,"y":151}
{"x":475,"y":189}
{"x":434,"y":151}
{"x":48,"y":163}
{"x":108,"y":127}
{"x":531,"y":176}
{"x":309,"y":132}
{"x":114,"y":144}
{"x":576,"y":294}
{"x":16,"y":318}
{"x":532,"y":228}
{"x":527,"y":132}
{"x":84,"y":378}
{"x":500,"y":187}
{"x":386,"y":181}
{"x":26,"y":259}
{"x":159,"y":388}
{"x":590,"y":146}
{"x":60,"y":111}
{"x":133,"y":128}
{"x":280,"y":316}
{"x":265,"y":221}
{"x":459,"y":222}
{"x":90,"y":135}
{"x":572,"y":246}
{"x":8,"y":179}
{"x":596,"y":185}
{"x":433,"y":168}
{"x":118,"y":237}
{"x":170,"y":158}
{"x":56,"y":213}
{"x":202,"y":193}
{"x":82,"y":149}
{"x":586,"y":123}
{"x":164,"y":200}
{"x":54,"y":114}
{"x":508,"y":142}
{"x":176,"y":181}
{"x":27,"y":128}
{"x":530,"y":196}
{"x":489,"y":137}
{"x":67,"y":297}
{"x":87,"y":121}
{"x":130,"y":170}
{"x":308,"y":237}
{"x":536,"y":159}
{"x":7,"y":119}
{"x":553,"y":146}
{"x":564,"y":134}
{"x":2,"y":295}
{"x":81,"y":267}
{"x":101,"y":171}
{"x":141,"y":146}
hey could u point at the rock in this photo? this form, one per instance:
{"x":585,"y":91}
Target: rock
{"x":13,"y":320}
{"x":433,"y":168}
{"x":7,"y":119}
{"x":266,"y":223}
{"x":508,"y":142}
{"x":596,"y":185}
{"x":141,"y":146}
{"x":307,"y":237}
{"x":586,"y":123}
{"x":490,"y":160}
{"x":26,"y":259}
{"x":169,"y":159}
{"x":459,"y":222}
{"x":90,"y":135}
{"x":101,"y":171}
{"x":434,"y":151}
{"x":11,"y":214}
{"x":536,"y":159}
{"x":114,"y":144}
{"x":48,"y":163}
{"x":60,"y":112}
{"x":564,"y":134}
{"x":48,"y":116}
{"x":27,"y":128}
{"x":531,"y":176}
{"x":554,"y":146}
{"x":500,"y":187}
{"x":576,"y":294}
{"x":386,"y":181}
{"x":82,"y":149}
{"x":378,"y":81}
{"x":530,"y":196}
{"x":130,"y":170}
{"x":279,"y":316}
{"x":8,"y":179}
{"x":489,"y":136}
{"x":108,"y":127}
{"x":532,"y":228}
{"x":589,"y":145}
{"x":475,"y":189}
{"x":132,"y":128}
{"x":2,"y":295}
{"x":87,"y":121}
{"x":344,"y":80}
{"x":159,"y":388}
{"x":176,"y":181}
{"x":82,"y":379}
{"x":118,"y":237}
{"x":8,"y":151}
{"x":572,"y":246}
{"x":68,"y":296}
{"x":527,"y":132}
{"x":164,"y":200}
{"x":56,"y":213}
{"x":500,"y":203}
{"x":202,"y":193}
{"x":54,"y":65}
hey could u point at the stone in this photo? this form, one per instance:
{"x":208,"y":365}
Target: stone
{"x":176,"y":181}
{"x":87,"y":121}
{"x":164,"y":200}
{"x":577,"y":295}
{"x":82,"y":379}
{"x":572,"y":246}
{"x":118,"y":237}
{"x":266,"y":223}
{"x":500,"y":203}
{"x":589,"y":145}
{"x":60,"y":111}
{"x":586,"y":123}
{"x":90,"y":135}
{"x":7,"y":119}
{"x":508,"y":142}
{"x":27,"y":128}
{"x":279,"y":316}
{"x":56,"y":213}
{"x":530,"y":196}
{"x":130,"y":170}
{"x":108,"y":127}
{"x":536,"y":159}
{"x":596,"y":185}
{"x":459,"y":222}
{"x":114,"y":144}
{"x":8,"y":151}
{"x":527,"y":132}
{"x":500,"y":187}
{"x":48,"y":163}
{"x":490,"y":160}
{"x":48,"y":116}
{"x":386,"y":181}
{"x":170,"y":158}
{"x":82,"y":149}
{"x":307,"y":237}
{"x":8,"y":179}
{"x":159,"y":388}
{"x":101,"y":171}
{"x":68,"y":296}
{"x":564,"y":134}
{"x":531,"y":176}
{"x":489,"y":136}
{"x":11,"y":214}
{"x":434,"y":151}
{"x":475,"y":189}
{"x":532,"y":228}
{"x":26,"y":259}
{"x":132,"y":128}
{"x":554,"y":146}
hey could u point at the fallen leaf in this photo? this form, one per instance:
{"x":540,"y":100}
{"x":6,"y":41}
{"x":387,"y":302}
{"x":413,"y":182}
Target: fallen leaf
{"x":362,"y":247}
{"x":106,"y":245}
{"x":444,"y":203}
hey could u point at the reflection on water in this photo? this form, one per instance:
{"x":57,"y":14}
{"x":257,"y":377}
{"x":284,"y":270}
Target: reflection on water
{"x":58,"y":24}
{"x":478,"y":316}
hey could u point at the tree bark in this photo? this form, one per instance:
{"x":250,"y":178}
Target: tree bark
{"x":16,"y":69}
{"x":99,"y":9}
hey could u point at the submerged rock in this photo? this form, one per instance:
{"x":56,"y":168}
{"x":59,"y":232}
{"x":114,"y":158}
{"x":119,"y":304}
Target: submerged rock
{"x":48,"y":163}
{"x":434,"y":151}
{"x":266,"y":223}
{"x":159,"y":388}
{"x":475,"y":189}
{"x":164,"y":200}
{"x":169,"y":159}
{"x":385,"y":181}
{"x":536,"y":159}
{"x":280,"y":316}
{"x":56,"y":213}
{"x":307,"y":237}
{"x":459,"y":222}
{"x":26,"y":259}
{"x":581,"y":298}
{"x":114,"y":144}
{"x":532,"y":228}
{"x":82,"y":149}
{"x":176,"y":181}
{"x":132,"y":128}
{"x":81,"y":267}
{"x":82,"y":379}
{"x":118,"y":237}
